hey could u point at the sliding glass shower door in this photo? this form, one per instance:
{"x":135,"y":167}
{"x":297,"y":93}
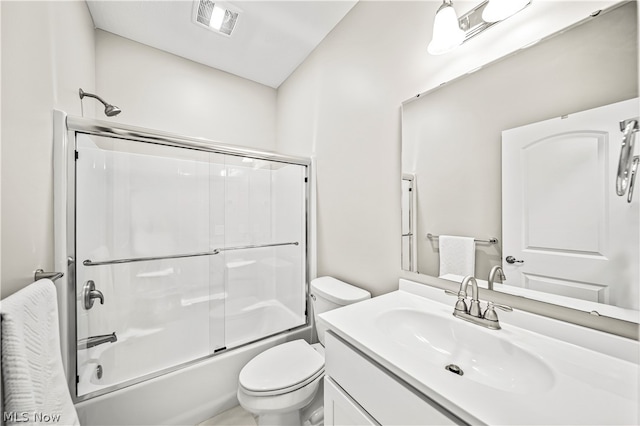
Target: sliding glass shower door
{"x":181,"y":253}
{"x":264,"y":242}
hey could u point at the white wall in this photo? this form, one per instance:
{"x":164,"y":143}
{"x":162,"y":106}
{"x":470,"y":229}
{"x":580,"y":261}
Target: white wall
{"x":49,"y":50}
{"x":342,"y":105}
{"x":47,"y":54}
{"x":162,"y":91}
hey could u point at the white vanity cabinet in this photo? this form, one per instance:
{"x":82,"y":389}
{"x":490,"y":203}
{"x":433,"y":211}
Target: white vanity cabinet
{"x":340,"y":409}
{"x":358,"y":391}
{"x":386,"y":359}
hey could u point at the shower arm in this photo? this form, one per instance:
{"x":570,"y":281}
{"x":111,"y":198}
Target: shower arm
{"x":91,"y":95}
{"x":109,"y":110}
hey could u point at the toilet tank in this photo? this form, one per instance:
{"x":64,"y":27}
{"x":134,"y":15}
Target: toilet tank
{"x":328,"y":293}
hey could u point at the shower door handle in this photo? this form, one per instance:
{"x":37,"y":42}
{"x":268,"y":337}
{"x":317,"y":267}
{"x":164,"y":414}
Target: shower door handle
{"x":89,"y":293}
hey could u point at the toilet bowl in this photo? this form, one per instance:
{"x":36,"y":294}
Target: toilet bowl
{"x":277,"y":384}
{"x":283,"y":385}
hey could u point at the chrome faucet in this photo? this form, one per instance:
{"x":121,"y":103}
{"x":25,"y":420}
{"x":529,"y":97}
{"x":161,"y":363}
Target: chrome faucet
{"x":92,"y":341}
{"x":473,"y":313}
{"x":461,"y":306}
{"x":492,"y":275}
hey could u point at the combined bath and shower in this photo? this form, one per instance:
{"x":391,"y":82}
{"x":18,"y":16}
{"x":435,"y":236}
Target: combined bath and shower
{"x":109,"y":110}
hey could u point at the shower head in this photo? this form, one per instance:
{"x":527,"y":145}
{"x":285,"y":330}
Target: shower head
{"x":109,"y":110}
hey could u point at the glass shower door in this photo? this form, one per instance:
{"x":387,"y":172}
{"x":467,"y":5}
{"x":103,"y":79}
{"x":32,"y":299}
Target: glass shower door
{"x":139,"y":209}
{"x":181,"y":253}
{"x":264,"y":255}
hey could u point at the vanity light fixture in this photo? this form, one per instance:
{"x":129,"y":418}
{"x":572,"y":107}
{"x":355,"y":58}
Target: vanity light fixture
{"x":449,"y":31}
{"x":447,"y":34}
{"x":499,"y":10}
{"x":216,"y":16}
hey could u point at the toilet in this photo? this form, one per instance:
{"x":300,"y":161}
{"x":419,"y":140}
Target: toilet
{"x":283,"y":385}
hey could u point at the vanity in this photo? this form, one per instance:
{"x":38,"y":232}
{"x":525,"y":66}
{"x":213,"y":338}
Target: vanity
{"x":403,"y":358}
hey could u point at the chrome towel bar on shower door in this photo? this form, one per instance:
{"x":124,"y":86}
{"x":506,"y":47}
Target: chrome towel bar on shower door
{"x":90,"y":262}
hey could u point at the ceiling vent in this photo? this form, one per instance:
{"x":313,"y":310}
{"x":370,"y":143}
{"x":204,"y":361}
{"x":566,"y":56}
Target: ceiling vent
{"x":216,"y":16}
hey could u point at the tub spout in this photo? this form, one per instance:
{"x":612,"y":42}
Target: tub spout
{"x":92,"y":341}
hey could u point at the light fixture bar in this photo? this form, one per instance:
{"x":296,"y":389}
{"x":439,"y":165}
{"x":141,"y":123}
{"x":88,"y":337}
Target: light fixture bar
{"x":472,"y":22}
{"x":449,"y":31}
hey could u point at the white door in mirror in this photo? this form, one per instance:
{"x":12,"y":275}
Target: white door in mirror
{"x":565,"y":230}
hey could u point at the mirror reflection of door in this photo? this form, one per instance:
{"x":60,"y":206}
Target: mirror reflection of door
{"x":565,"y":230}
{"x":408,"y":208}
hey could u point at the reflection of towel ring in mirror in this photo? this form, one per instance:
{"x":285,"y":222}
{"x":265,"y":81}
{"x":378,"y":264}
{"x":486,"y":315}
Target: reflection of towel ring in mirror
{"x":627,"y":160}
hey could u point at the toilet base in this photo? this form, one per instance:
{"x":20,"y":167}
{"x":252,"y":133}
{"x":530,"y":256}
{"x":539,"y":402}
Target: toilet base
{"x":310,"y":414}
{"x":313,"y":414}
{"x":291,"y":418}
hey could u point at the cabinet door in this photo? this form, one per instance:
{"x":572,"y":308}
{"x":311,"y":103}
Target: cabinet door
{"x":383,"y":395}
{"x":340,"y":409}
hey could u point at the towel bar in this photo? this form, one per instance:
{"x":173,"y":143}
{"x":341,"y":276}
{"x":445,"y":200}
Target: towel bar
{"x":489,"y":241}
{"x":90,"y":262}
{"x":40,"y":274}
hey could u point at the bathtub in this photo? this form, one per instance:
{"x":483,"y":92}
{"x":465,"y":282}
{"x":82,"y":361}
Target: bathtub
{"x":131,"y":358}
{"x":186,"y":396}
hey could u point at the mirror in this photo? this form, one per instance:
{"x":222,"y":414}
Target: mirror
{"x":453,"y":158}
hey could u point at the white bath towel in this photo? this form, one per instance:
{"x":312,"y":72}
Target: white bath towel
{"x":457,"y":255}
{"x":34,"y":386}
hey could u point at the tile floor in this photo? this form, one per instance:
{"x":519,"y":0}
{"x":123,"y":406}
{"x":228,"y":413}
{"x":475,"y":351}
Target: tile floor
{"x":235,"y":416}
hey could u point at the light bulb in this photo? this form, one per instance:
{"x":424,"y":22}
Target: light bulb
{"x":447,"y":34}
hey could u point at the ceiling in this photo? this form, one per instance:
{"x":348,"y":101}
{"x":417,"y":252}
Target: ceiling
{"x":270,"y":40}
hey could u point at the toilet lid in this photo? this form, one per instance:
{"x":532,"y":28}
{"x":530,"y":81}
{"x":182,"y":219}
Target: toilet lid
{"x":281,"y":367}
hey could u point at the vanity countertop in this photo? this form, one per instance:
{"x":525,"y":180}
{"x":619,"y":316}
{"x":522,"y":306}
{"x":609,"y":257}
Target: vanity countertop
{"x":511,"y":376}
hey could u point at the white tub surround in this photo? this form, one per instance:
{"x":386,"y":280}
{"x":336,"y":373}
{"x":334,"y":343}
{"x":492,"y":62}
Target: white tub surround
{"x":555,"y":375}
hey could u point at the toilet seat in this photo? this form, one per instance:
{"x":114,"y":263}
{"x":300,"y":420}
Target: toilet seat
{"x":282,"y":369}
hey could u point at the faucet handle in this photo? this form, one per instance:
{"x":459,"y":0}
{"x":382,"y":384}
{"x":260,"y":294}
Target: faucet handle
{"x":503,"y":307}
{"x":461,"y":305}
{"x":89,"y":293}
{"x":490,"y":313}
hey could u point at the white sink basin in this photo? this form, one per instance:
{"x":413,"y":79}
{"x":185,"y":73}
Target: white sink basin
{"x":484,"y":357}
{"x":509,"y":374}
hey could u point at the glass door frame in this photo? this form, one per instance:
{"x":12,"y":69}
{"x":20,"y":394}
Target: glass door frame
{"x":65,"y":129}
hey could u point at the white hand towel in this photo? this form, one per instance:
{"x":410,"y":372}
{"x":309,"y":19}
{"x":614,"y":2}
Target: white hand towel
{"x":33,"y":380}
{"x":457,"y":255}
